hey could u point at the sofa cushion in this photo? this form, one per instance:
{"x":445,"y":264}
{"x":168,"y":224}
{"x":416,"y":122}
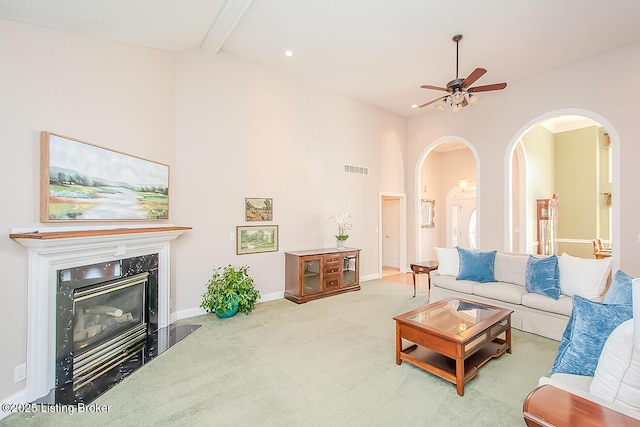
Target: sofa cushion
{"x":562,"y":305}
{"x":568,"y":382}
{"x":476,"y":265}
{"x":542,"y":276}
{"x":589,"y":326}
{"x":582,"y":276}
{"x":614,"y":362}
{"x":620,"y":289}
{"x":450,"y":282}
{"x":629,"y":393}
{"x":448,"y":261}
{"x":510,"y":268}
{"x":500,"y":291}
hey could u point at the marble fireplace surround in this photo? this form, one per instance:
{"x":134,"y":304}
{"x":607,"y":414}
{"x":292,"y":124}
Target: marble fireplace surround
{"x":53,"y":249}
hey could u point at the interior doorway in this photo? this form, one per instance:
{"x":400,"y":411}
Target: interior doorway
{"x":392,"y":233}
{"x":572,"y":155}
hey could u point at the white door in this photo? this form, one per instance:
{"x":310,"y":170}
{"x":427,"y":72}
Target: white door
{"x":391,"y":232}
{"x":463,"y":225}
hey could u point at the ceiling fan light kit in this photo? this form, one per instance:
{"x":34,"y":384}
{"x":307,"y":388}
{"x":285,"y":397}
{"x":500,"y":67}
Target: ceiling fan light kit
{"x":459,"y":90}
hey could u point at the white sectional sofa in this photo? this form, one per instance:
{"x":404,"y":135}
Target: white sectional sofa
{"x":616,"y":381}
{"x":532,"y":312}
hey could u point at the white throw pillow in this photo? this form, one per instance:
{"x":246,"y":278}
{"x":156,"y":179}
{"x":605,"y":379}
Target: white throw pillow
{"x":510,"y":268}
{"x":448,"y":261}
{"x":629,"y":393}
{"x":583,"y":276}
{"x":613,"y":362}
{"x":617,"y":376}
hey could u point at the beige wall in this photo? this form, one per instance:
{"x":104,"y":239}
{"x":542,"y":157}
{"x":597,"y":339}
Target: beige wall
{"x":227,"y":128}
{"x":110,"y":94}
{"x":247,"y":131}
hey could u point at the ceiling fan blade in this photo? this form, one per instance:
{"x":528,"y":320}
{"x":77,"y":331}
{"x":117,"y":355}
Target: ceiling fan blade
{"x":471,"y":79}
{"x":434,"y":87}
{"x":433,"y":102}
{"x":486,"y":88}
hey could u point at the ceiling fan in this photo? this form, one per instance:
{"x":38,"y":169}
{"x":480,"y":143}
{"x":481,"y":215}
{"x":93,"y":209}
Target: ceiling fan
{"x":459,"y":93}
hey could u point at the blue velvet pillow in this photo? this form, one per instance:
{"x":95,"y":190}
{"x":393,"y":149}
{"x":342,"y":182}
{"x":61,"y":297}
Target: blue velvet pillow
{"x":476,"y":265}
{"x":620,"y":289}
{"x":589,"y":326}
{"x":542,"y":276}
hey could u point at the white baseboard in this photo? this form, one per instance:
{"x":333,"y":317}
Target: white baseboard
{"x":373,"y":276}
{"x":16,"y":399}
{"x":185,"y":314}
{"x":198,"y":311}
{"x":272,"y":296}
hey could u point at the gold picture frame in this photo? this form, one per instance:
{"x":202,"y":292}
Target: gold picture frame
{"x":252,"y":239}
{"x":80,"y":181}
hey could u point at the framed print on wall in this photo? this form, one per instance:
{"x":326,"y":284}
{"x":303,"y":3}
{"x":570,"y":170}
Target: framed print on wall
{"x":252,"y":239}
{"x":80,"y":181}
{"x":258,"y":209}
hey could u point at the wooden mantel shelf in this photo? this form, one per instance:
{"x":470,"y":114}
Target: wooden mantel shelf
{"x":92,"y":233}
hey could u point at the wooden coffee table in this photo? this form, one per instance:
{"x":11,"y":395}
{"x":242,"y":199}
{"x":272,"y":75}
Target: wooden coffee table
{"x":453,"y":338}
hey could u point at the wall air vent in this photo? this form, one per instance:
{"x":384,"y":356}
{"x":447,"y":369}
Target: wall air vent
{"x":360,"y":170}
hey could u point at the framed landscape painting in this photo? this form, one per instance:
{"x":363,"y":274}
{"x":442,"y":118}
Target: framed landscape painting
{"x":252,"y":239}
{"x":80,"y":181}
{"x":258,"y":209}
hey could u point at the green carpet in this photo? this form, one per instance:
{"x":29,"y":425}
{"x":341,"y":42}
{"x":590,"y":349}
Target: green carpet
{"x":329,"y":362}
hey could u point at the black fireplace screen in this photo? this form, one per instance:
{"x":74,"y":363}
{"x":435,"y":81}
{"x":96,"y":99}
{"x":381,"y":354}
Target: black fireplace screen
{"x":109,"y":320}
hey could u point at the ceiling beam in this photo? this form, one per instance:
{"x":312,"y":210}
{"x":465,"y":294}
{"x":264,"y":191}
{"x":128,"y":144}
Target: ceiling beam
{"x":224,"y":24}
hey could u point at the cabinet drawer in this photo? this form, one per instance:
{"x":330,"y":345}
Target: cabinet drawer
{"x":332,"y":258}
{"x":331,"y":267}
{"x":332,"y":281}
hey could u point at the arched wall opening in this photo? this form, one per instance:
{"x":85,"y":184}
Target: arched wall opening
{"x":516,"y":181}
{"x":448,"y":173}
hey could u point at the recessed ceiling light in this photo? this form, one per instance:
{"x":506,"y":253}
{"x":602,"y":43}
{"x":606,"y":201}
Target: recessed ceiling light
{"x":414,"y":106}
{"x":288,"y":53}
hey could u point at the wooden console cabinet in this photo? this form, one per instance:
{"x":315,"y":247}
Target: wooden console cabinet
{"x":321,"y":272}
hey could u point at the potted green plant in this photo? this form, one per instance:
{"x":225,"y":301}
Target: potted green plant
{"x":229,"y":290}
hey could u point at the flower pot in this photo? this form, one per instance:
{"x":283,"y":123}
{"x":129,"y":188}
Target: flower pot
{"x":228,"y":312}
{"x":340,"y":241}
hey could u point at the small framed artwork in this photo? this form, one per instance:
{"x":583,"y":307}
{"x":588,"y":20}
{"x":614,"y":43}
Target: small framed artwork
{"x":258,"y":209}
{"x":80,"y":181}
{"x":251,"y":239}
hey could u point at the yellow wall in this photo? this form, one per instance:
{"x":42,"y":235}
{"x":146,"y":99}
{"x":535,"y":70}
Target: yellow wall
{"x":576,"y":183}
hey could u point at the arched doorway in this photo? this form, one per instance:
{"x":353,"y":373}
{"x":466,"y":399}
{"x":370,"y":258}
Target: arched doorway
{"x":572,"y":153}
{"x":446,"y":163}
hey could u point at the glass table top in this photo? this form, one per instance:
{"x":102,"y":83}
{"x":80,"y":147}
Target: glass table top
{"x":455,"y":316}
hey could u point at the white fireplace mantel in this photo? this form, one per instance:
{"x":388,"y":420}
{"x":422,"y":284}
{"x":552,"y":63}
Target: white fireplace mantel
{"x":57,"y":249}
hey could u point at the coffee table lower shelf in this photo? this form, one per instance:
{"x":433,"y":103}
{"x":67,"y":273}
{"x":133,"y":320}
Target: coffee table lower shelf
{"x":445,"y":367}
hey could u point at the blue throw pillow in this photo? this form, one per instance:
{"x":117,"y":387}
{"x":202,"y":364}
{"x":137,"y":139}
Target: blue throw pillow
{"x":542,"y":276}
{"x":476,"y":265}
{"x":589,"y":326}
{"x":620,"y":289}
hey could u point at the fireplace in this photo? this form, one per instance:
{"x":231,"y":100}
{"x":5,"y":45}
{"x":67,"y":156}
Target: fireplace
{"x":103,"y":321}
{"x":56,"y":257}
